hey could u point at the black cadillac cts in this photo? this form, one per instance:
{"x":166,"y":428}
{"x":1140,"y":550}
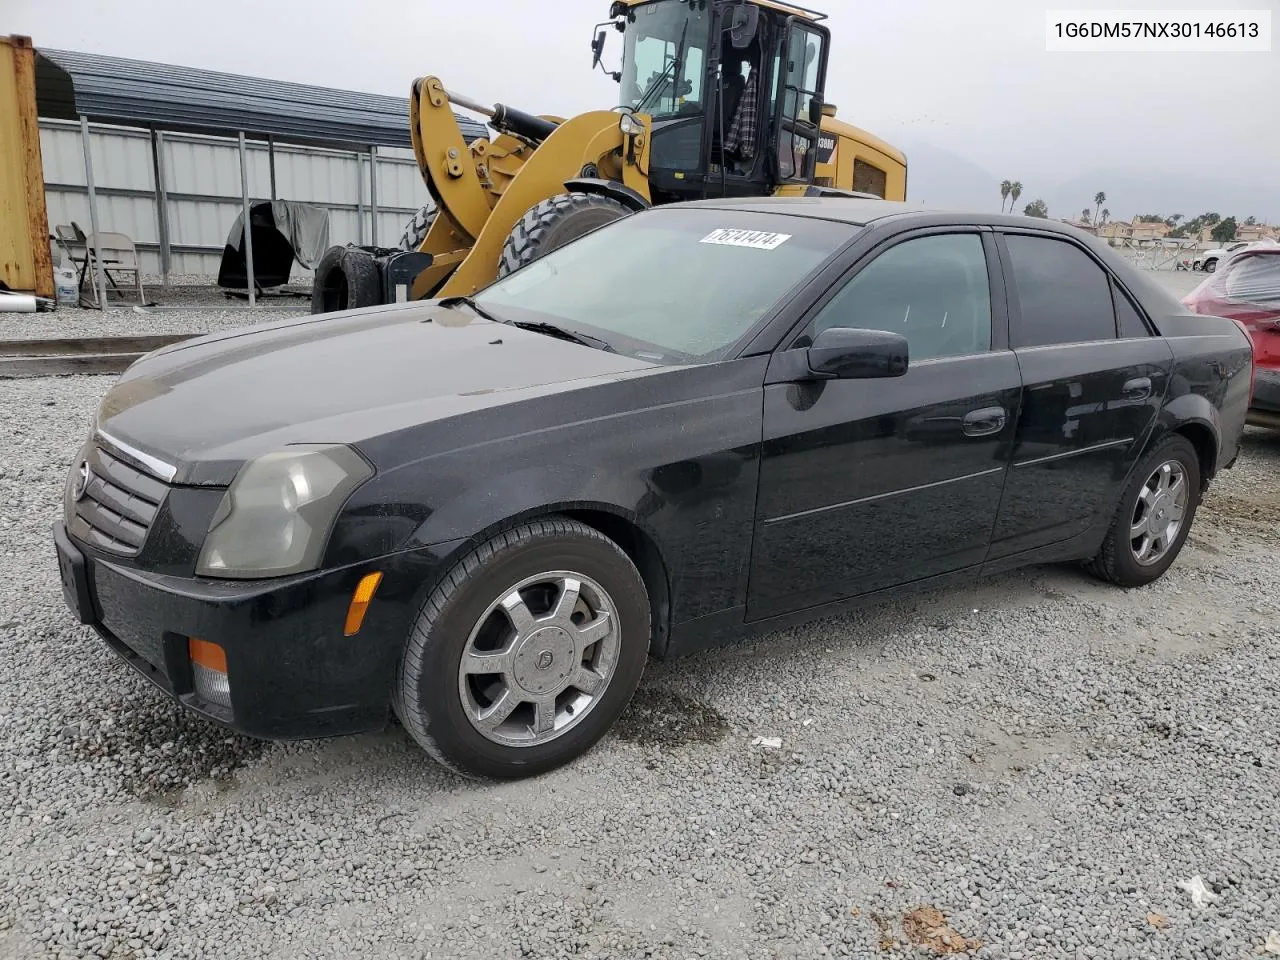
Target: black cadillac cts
{"x":699,"y":421}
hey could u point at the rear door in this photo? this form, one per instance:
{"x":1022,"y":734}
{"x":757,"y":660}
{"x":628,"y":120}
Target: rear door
{"x":866,"y":484}
{"x":1094,"y":378}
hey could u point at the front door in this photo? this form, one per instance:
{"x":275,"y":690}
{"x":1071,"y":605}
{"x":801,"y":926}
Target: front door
{"x":801,"y":75}
{"x":866,"y":484}
{"x":1093,"y":381}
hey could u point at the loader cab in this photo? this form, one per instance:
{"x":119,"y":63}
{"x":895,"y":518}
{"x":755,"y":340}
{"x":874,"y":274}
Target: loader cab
{"x":734,"y":89}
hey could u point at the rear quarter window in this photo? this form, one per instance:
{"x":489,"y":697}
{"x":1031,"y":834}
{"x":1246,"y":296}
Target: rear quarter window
{"x":1129,"y":322}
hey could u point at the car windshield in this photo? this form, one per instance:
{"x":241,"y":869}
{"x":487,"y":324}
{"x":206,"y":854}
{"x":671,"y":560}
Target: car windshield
{"x":664,"y":57}
{"x":671,"y":285}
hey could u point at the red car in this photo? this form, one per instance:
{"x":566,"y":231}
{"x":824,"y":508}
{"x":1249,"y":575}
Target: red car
{"x":1246,"y":288}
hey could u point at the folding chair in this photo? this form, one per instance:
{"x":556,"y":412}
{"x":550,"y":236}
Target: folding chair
{"x":119,"y":255}
{"x":72,"y":241}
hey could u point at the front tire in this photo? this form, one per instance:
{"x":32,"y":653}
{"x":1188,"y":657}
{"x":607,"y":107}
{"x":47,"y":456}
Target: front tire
{"x":1153,"y":517}
{"x":555,"y":222}
{"x":1210,"y":266}
{"x":526,"y":653}
{"x":415,"y":231}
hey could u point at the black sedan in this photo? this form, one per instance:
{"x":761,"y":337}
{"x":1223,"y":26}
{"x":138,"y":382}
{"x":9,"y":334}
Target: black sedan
{"x":700,"y":421}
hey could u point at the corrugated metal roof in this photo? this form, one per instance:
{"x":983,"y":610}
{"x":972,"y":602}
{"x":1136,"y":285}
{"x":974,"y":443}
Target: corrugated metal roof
{"x":141,"y":93}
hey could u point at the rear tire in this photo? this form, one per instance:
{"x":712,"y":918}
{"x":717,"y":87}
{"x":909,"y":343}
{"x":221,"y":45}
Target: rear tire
{"x":576,"y":660}
{"x":415,"y":231}
{"x":346,"y":278}
{"x":1145,"y":513}
{"x":555,"y":222}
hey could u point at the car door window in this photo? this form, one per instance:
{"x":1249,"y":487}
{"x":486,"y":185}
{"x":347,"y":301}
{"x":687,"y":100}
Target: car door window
{"x":933,"y":290}
{"x":1129,"y":322}
{"x":1065,"y":296}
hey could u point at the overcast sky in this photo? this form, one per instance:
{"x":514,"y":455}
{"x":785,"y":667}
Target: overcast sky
{"x":971,"y":76}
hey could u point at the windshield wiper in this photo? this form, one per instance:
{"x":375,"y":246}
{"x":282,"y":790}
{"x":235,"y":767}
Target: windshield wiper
{"x":470,"y":302}
{"x":655,"y":85}
{"x":538,"y":326}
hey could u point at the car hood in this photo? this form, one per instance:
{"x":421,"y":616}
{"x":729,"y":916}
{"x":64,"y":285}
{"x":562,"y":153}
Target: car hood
{"x":206,"y":405}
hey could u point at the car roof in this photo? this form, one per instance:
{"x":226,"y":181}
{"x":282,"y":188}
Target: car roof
{"x":860,"y":212}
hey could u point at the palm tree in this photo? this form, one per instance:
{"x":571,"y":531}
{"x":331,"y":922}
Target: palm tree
{"x":1085,"y":215}
{"x":1106,"y":215}
{"x":1005,"y":187}
{"x":1099,"y":199}
{"x":1015,"y":191}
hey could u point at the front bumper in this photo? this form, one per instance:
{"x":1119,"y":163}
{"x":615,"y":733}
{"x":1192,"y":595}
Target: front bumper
{"x":292,"y":673}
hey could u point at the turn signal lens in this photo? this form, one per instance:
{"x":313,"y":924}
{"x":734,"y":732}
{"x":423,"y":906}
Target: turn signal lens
{"x":360,"y":602}
{"x":209,"y":671}
{"x":207,"y":654}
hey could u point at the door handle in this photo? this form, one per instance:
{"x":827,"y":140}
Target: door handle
{"x":1136,"y":389}
{"x":984,"y":422}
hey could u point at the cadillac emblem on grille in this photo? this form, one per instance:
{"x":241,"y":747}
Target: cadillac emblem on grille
{"x":84,"y":477}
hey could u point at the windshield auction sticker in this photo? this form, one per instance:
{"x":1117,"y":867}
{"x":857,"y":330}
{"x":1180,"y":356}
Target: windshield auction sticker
{"x":756,"y":239}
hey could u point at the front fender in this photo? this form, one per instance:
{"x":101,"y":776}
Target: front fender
{"x":528,"y":493}
{"x":631,"y":199}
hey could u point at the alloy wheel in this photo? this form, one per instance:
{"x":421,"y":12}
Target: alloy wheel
{"x":539,"y":658}
{"x":1158,"y":514}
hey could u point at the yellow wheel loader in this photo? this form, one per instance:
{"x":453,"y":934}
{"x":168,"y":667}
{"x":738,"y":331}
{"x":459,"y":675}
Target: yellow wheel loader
{"x":720,"y":98}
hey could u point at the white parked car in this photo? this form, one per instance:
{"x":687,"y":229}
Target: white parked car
{"x":1208,"y":260}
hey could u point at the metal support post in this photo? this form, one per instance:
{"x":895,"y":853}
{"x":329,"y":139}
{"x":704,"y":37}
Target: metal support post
{"x":271,"y":163}
{"x":359,"y":199}
{"x":248,"y":232}
{"x":373,"y":194}
{"x":99,"y":272}
{"x":162,"y":204}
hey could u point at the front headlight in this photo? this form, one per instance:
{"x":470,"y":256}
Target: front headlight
{"x":275,"y":517}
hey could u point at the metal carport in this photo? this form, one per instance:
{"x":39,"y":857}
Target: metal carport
{"x":162,"y":97}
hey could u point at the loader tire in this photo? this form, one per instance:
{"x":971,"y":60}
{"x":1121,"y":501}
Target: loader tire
{"x":555,"y":222}
{"x":346,"y":278}
{"x":415,"y":231}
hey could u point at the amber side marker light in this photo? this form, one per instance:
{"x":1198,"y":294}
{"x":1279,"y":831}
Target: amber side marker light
{"x":360,"y":603}
{"x":209,"y":671}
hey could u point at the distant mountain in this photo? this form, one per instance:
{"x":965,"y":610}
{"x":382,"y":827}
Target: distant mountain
{"x":1131,"y":192}
{"x":940,"y":177}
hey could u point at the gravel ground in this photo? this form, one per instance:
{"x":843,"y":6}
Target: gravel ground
{"x":189,"y":305}
{"x":120,"y":321}
{"x":1026,"y":768}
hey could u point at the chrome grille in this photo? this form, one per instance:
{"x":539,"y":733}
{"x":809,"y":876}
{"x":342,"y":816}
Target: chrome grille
{"x":118,"y":505}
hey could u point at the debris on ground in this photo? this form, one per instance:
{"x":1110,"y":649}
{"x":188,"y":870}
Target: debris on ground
{"x":1201,"y":895}
{"x":884,"y":929}
{"x":927,"y":927}
{"x":1272,"y":944}
{"x":769,"y":743}
{"x":1157,"y":920}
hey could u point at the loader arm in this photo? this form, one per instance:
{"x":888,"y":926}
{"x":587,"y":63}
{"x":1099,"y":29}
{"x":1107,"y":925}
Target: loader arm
{"x":483,"y":189}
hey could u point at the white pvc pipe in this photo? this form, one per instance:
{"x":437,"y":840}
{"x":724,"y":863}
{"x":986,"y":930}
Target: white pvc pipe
{"x":17,"y":303}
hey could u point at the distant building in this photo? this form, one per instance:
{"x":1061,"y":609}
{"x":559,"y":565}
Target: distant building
{"x":1149,"y":231}
{"x":1084,"y":225}
{"x":1256,"y":231}
{"x":1116,"y":230}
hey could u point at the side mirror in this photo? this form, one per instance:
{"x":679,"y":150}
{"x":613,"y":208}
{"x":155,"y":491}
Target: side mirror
{"x":597,"y":49}
{"x":815,"y":112}
{"x":848,"y":353}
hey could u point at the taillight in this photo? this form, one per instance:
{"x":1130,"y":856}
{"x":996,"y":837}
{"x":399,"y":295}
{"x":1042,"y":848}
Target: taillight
{"x":1253,"y":367}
